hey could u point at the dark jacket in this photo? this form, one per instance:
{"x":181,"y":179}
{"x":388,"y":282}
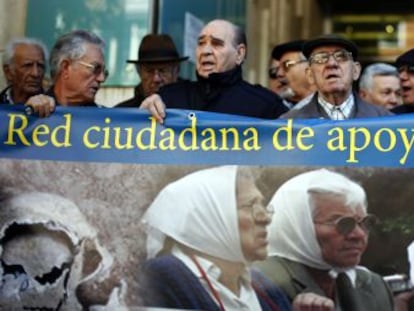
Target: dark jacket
{"x":50,"y":92}
{"x":166,"y":282}
{"x":403,"y":109}
{"x":224,"y":92}
{"x":293,"y":278}
{"x":4,"y":97}
{"x":134,"y":101}
{"x":313,"y":109}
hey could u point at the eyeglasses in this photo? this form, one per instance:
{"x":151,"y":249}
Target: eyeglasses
{"x":345,"y":225}
{"x":258,"y":210}
{"x":407,"y":68}
{"x":286,"y":65}
{"x":96,"y":69}
{"x":340,"y":56}
{"x":164,"y":72}
{"x":272,"y":73}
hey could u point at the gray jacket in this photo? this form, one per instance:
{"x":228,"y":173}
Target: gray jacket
{"x":371,"y":292}
{"x":313,"y":109}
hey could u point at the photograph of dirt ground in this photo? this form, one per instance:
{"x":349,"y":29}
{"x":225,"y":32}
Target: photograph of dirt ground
{"x":72,"y":230}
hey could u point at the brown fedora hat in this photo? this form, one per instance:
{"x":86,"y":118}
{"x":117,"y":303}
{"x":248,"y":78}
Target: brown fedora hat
{"x":157,"y":48}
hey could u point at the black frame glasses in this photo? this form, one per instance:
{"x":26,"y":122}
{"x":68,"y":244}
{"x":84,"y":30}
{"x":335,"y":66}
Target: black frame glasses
{"x":340,"y":56}
{"x":164,"y":71}
{"x":406,"y":68}
{"x":345,"y":225}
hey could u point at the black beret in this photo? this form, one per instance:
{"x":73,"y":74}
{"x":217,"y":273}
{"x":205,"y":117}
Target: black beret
{"x":291,"y":46}
{"x":405,"y":59}
{"x":330,"y":39}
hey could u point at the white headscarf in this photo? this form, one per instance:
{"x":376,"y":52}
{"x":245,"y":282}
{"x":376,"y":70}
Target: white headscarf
{"x":199,"y":211}
{"x":292,"y":231}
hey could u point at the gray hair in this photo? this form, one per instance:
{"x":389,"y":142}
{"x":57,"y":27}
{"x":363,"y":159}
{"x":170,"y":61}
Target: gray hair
{"x":347,"y":191}
{"x":72,"y":46}
{"x":10,"y":49}
{"x":376,"y":69}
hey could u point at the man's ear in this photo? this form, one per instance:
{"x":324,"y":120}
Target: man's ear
{"x":309,"y":75}
{"x":8,"y":73}
{"x":241,"y":53}
{"x":64,"y":68}
{"x":356,"y":70}
{"x":362,"y":93}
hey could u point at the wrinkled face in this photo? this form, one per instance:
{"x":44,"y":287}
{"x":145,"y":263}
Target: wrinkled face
{"x":292,"y":69}
{"x":337,"y":249}
{"x":385,"y":91}
{"x":275,"y":85}
{"x":253,"y":220}
{"x":407,"y":84}
{"x":336,"y":75}
{"x":83,"y":77}
{"x":155,"y":75}
{"x":26,"y":72}
{"x":216,"y":50}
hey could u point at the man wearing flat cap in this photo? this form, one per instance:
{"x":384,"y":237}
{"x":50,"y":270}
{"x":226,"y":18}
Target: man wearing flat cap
{"x":158,"y":64}
{"x":405,"y":65}
{"x":295,"y":85}
{"x":333,"y":68}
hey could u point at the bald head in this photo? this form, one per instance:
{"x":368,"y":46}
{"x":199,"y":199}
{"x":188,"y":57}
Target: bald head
{"x":221,"y":47}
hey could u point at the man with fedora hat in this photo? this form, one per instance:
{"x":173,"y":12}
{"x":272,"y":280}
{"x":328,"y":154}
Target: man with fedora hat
{"x":333,"y":67}
{"x":157,"y":65}
{"x":220,"y":52}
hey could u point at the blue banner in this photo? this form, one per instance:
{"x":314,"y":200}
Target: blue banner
{"x":193,"y":137}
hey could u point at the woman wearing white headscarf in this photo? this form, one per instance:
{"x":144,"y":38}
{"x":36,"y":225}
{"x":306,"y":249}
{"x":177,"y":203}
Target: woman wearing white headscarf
{"x":204,"y":230}
{"x":216,"y":221}
{"x":320,"y":229}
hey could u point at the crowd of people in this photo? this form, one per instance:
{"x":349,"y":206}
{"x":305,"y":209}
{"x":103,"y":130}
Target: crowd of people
{"x":314,"y":78}
{"x":202,"y":246}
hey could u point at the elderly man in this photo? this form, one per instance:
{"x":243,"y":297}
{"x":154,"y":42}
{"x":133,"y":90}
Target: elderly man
{"x":24,"y":65}
{"x":291,"y":73}
{"x":220,"y":87}
{"x":333,"y":68}
{"x":77,"y":68}
{"x":405,"y":66}
{"x":158,"y":64}
{"x":317,"y":237}
{"x":24,"y":68}
{"x":380,"y":85}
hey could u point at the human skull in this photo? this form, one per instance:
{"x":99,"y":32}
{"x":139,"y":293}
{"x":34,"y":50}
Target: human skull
{"x":47,"y":250}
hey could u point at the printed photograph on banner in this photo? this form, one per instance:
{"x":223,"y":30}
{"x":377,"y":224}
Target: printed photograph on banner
{"x":74,"y":231}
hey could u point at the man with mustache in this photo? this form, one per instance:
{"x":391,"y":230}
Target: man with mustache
{"x":291,"y":73}
{"x":333,"y":69}
{"x":220,"y":53}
